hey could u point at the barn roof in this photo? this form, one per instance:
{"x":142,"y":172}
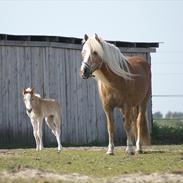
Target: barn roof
{"x":73,"y":40}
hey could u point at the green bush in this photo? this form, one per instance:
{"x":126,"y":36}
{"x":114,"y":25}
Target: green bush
{"x":167,"y":132}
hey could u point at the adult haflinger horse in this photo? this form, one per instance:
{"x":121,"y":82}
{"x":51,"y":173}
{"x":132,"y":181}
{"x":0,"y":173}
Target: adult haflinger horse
{"x":123,"y":82}
{"x":39,"y":109}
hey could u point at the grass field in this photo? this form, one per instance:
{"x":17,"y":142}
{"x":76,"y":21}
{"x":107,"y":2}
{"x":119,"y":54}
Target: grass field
{"x":158,"y":163}
{"x":94,"y":162}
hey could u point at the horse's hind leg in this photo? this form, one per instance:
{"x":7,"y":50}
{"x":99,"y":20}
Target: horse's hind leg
{"x":142,"y":129}
{"x":126,"y":112}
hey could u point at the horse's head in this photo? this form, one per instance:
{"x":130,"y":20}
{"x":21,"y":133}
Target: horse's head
{"x":28,"y":97}
{"x":92,"y":54}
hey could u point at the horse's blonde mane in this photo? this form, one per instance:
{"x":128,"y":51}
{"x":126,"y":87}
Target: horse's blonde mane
{"x":111,"y":55}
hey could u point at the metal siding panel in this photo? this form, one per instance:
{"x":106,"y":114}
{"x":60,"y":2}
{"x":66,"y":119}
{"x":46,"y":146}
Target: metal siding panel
{"x":68,"y":98}
{"x":1,"y":98}
{"x":62,"y":81}
{"x":27,"y":82}
{"x":5,"y":92}
{"x":81,"y":105}
{"x":23,"y":119}
{"x":46,"y":90}
{"x":12,"y":97}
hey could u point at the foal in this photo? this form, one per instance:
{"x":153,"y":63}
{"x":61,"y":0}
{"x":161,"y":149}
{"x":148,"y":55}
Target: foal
{"x":39,"y":109}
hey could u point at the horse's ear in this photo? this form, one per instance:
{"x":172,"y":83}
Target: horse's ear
{"x":85,"y":39}
{"x":97,"y":38}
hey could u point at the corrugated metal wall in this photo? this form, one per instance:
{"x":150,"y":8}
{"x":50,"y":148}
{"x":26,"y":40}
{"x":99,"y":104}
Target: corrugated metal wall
{"x":54,"y":73}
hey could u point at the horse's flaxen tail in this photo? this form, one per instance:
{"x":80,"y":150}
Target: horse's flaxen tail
{"x":140,"y":127}
{"x":145,"y":135}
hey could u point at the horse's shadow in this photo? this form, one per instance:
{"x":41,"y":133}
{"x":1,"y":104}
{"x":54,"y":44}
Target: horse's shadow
{"x":155,"y":152}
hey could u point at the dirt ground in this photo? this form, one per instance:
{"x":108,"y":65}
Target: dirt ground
{"x":28,"y":174}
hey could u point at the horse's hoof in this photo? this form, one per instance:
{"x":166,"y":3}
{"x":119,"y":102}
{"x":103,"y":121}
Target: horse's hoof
{"x":110,"y":153}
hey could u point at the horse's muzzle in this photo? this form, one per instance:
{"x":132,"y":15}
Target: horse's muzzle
{"x":85,"y":72}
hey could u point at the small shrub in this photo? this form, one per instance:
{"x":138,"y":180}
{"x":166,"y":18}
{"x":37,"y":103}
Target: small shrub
{"x":167,"y":132}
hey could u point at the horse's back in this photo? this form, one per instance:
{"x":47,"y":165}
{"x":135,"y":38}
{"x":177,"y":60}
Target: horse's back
{"x":141,"y":80}
{"x":138,"y":65}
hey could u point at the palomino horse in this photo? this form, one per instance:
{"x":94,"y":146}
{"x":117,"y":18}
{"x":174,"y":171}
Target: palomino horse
{"x":39,"y":109}
{"x":123,"y":82}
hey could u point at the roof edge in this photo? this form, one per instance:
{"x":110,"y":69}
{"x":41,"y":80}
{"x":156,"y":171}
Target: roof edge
{"x":73,"y":40}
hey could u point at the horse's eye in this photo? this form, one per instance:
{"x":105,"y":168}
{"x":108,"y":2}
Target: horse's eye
{"x":95,"y":53}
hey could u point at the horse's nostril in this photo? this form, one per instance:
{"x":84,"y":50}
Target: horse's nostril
{"x":86,"y":73}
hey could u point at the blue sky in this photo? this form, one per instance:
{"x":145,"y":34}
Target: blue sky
{"x":125,"y":20}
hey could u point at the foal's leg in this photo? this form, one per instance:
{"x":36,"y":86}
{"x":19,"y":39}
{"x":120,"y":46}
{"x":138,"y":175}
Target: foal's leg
{"x":57,"y":121}
{"x":110,"y":127}
{"x":35,"y":126}
{"x":50,"y":123}
{"x":40,"y":133}
{"x":54,"y":124}
{"x":128,"y":129}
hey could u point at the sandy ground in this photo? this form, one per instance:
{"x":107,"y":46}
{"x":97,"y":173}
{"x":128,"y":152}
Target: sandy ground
{"x":28,"y":174}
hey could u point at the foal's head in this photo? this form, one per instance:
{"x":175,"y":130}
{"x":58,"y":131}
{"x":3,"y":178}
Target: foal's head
{"x":28,"y":97}
{"x":92,"y":54}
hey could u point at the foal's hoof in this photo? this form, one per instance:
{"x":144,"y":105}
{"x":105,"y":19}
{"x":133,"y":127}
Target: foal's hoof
{"x":139,"y":151}
{"x":130,"y":153}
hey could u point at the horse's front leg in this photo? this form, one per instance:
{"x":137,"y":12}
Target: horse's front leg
{"x":110,"y":127}
{"x":128,"y":129}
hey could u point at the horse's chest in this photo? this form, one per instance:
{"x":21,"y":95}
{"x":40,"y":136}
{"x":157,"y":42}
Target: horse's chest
{"x":114,"y":99}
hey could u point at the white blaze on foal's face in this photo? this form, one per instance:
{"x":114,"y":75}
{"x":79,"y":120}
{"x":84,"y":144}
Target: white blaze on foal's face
{"x":27,"y":96}
{"x":28,"y":101}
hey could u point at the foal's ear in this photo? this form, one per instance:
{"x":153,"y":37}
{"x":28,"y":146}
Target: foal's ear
{"x":32,"y":91}
{"x":23,"y":91}
{"x":97,"y":38}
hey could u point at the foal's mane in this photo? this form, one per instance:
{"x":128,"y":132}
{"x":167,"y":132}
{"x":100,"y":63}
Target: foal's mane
{"x":111,"y":55}
{"x":37,"y":95}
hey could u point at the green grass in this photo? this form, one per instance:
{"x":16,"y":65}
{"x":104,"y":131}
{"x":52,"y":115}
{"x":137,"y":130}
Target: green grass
{"x":95,"y":162}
